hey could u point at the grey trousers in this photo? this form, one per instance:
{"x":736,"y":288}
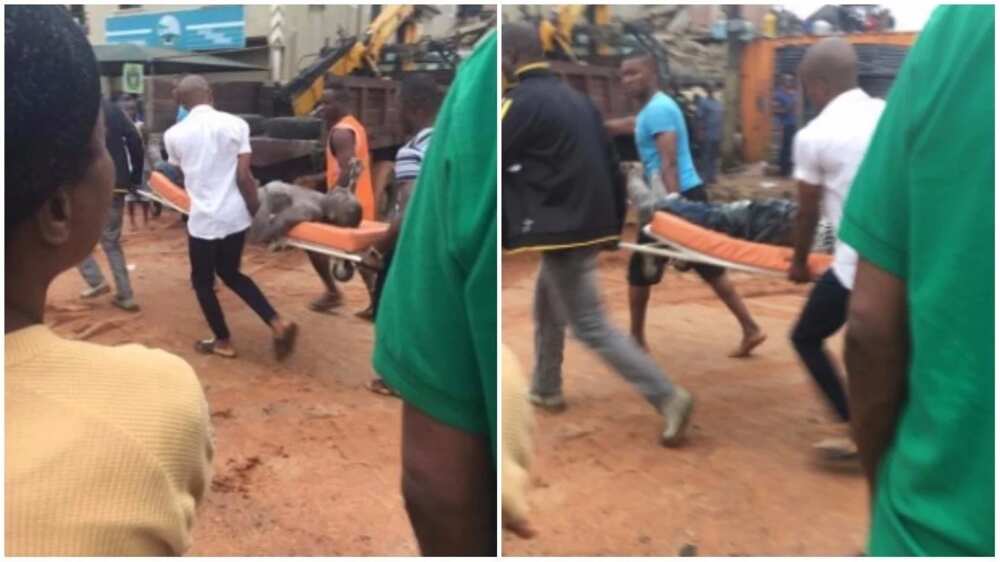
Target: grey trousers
{"x":566,"y":293}
{"x":111,"y":244}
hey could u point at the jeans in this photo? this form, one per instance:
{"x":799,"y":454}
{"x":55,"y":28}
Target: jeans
{"x":709,"y":161}
{"x":222,"y":257}
{"x":825,"y":312}
{"x":566,"y":293}
{"x":111,"y":244}
{"x":785,"y":156}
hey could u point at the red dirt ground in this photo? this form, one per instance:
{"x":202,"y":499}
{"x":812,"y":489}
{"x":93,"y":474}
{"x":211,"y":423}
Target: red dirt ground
{"x":306,"y":459}
{"x":745,"y":483}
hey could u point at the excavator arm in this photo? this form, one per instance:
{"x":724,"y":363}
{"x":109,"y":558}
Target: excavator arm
{"x":305,"y":90}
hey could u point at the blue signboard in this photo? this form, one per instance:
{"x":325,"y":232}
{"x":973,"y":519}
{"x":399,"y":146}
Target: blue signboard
{"x":199,"y":29}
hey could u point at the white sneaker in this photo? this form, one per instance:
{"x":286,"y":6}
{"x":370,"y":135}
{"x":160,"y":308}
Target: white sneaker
{"x":676,"y":412}
{"x":94,"y":292}
{"x":555,"y":403}
{"x":837,"y":449}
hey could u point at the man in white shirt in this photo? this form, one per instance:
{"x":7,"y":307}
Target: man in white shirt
{"x":212,"y":149}
{"x":828,"y":152}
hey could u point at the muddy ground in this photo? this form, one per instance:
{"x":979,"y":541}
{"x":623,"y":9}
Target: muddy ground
{"x":745,"y":483}
{"x":306,"y":459}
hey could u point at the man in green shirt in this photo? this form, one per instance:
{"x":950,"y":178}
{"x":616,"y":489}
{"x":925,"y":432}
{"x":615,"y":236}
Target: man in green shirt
{"x":920,"y":347}
{"x":436,"y":330}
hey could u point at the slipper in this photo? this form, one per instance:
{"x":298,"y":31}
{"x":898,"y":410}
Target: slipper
{"x":208,"y":348}
{"x":326,"y":303}
{"x":285,"y":344}
{"x":379,"y":387}
{"x":366,"y":314}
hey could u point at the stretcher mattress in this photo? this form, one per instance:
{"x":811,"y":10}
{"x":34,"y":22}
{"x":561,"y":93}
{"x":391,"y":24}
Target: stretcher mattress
{"x":717,"y":245}
{"x":350,"y":240}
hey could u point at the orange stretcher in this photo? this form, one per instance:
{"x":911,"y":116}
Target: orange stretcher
{"x":680,"y":239}
{"x":336,"y":241}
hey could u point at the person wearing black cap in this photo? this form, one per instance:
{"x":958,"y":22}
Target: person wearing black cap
{"x":564,"y":196}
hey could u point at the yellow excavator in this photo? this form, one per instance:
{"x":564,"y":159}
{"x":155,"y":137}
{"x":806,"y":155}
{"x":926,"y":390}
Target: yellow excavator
{"x":566,"y":23}
{"x":361,"y":54}
{"x":556,"y":31}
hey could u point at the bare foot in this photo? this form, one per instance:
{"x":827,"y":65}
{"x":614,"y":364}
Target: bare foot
{"x":749,"y":343}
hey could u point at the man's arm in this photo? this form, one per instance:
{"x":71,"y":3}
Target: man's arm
{"x":247,"y":184}
{"x":666,"y":145}
{"x":388,"y":241}
{"x":805,"y":230}
{"x":449,"y":485}
{"x":620,"y":126}
{"x":876,"y":354}
{"x":342,"y":144}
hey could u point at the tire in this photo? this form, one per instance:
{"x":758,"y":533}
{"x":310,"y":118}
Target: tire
{"x":256,"y":123}
{"x":343,"y":270}
{"x":294,"y":128}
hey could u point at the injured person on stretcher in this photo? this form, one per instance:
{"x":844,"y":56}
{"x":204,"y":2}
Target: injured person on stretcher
{"x":283,"y":206}
{"x":768,"y":221}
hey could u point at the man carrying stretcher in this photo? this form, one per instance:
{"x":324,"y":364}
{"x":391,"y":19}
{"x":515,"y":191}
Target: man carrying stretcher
{"x":662,"y":140}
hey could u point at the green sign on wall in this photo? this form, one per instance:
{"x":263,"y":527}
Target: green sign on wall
{"x":132,"y":78}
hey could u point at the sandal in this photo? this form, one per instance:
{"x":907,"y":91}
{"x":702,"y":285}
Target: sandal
{"x":326,"y":303}
{"x":366,"y":314}
{"x":379,"y":387}
{"x":208,"y":347}
{"x":284,"y":345}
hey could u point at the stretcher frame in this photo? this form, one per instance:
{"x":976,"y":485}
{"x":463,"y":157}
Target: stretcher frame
{"x":283,"y":241}
{"x":665,"y":248}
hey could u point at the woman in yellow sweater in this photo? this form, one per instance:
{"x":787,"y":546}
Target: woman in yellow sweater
{"x":107,"y":448}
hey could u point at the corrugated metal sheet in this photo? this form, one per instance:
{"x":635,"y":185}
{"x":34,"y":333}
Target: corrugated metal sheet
{"x":880,"y":55}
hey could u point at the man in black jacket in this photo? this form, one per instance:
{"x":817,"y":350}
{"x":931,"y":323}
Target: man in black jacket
{"x":125,"y":146}
{"x":564,"y":196}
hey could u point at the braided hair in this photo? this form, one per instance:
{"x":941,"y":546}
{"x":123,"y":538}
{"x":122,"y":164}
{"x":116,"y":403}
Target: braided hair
{"x":52,"y":102}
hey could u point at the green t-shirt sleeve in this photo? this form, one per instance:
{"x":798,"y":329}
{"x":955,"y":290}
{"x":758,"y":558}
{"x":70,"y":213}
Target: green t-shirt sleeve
{"x":436,"y":325}
{"x":876,"y":215}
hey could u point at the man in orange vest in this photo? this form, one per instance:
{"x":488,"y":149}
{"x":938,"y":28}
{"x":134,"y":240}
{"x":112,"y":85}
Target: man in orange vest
{"x":347,"y":139}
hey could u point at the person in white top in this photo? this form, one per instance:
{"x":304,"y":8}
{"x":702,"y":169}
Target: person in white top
{"x":828,"y":152}
{"x":212,"y":149}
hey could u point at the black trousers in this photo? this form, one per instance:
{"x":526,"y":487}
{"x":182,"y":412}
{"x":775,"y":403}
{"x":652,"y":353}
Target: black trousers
{"x":222,"y":257}
{"x":785,"y":156}
{"x":825,"y":312}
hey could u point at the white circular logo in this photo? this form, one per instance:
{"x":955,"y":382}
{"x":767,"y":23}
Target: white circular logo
{"x":168,"y":29}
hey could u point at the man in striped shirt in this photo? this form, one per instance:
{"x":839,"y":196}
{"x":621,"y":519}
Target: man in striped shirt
{"x":419,"y":99}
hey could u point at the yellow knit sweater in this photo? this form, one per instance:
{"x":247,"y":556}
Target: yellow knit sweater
{"x":108,"y":449}
{"x":516,"y":441}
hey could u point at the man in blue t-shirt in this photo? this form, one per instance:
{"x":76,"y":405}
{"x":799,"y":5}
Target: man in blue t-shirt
{"x":662,"y":141}
{"x":784,"y":113}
